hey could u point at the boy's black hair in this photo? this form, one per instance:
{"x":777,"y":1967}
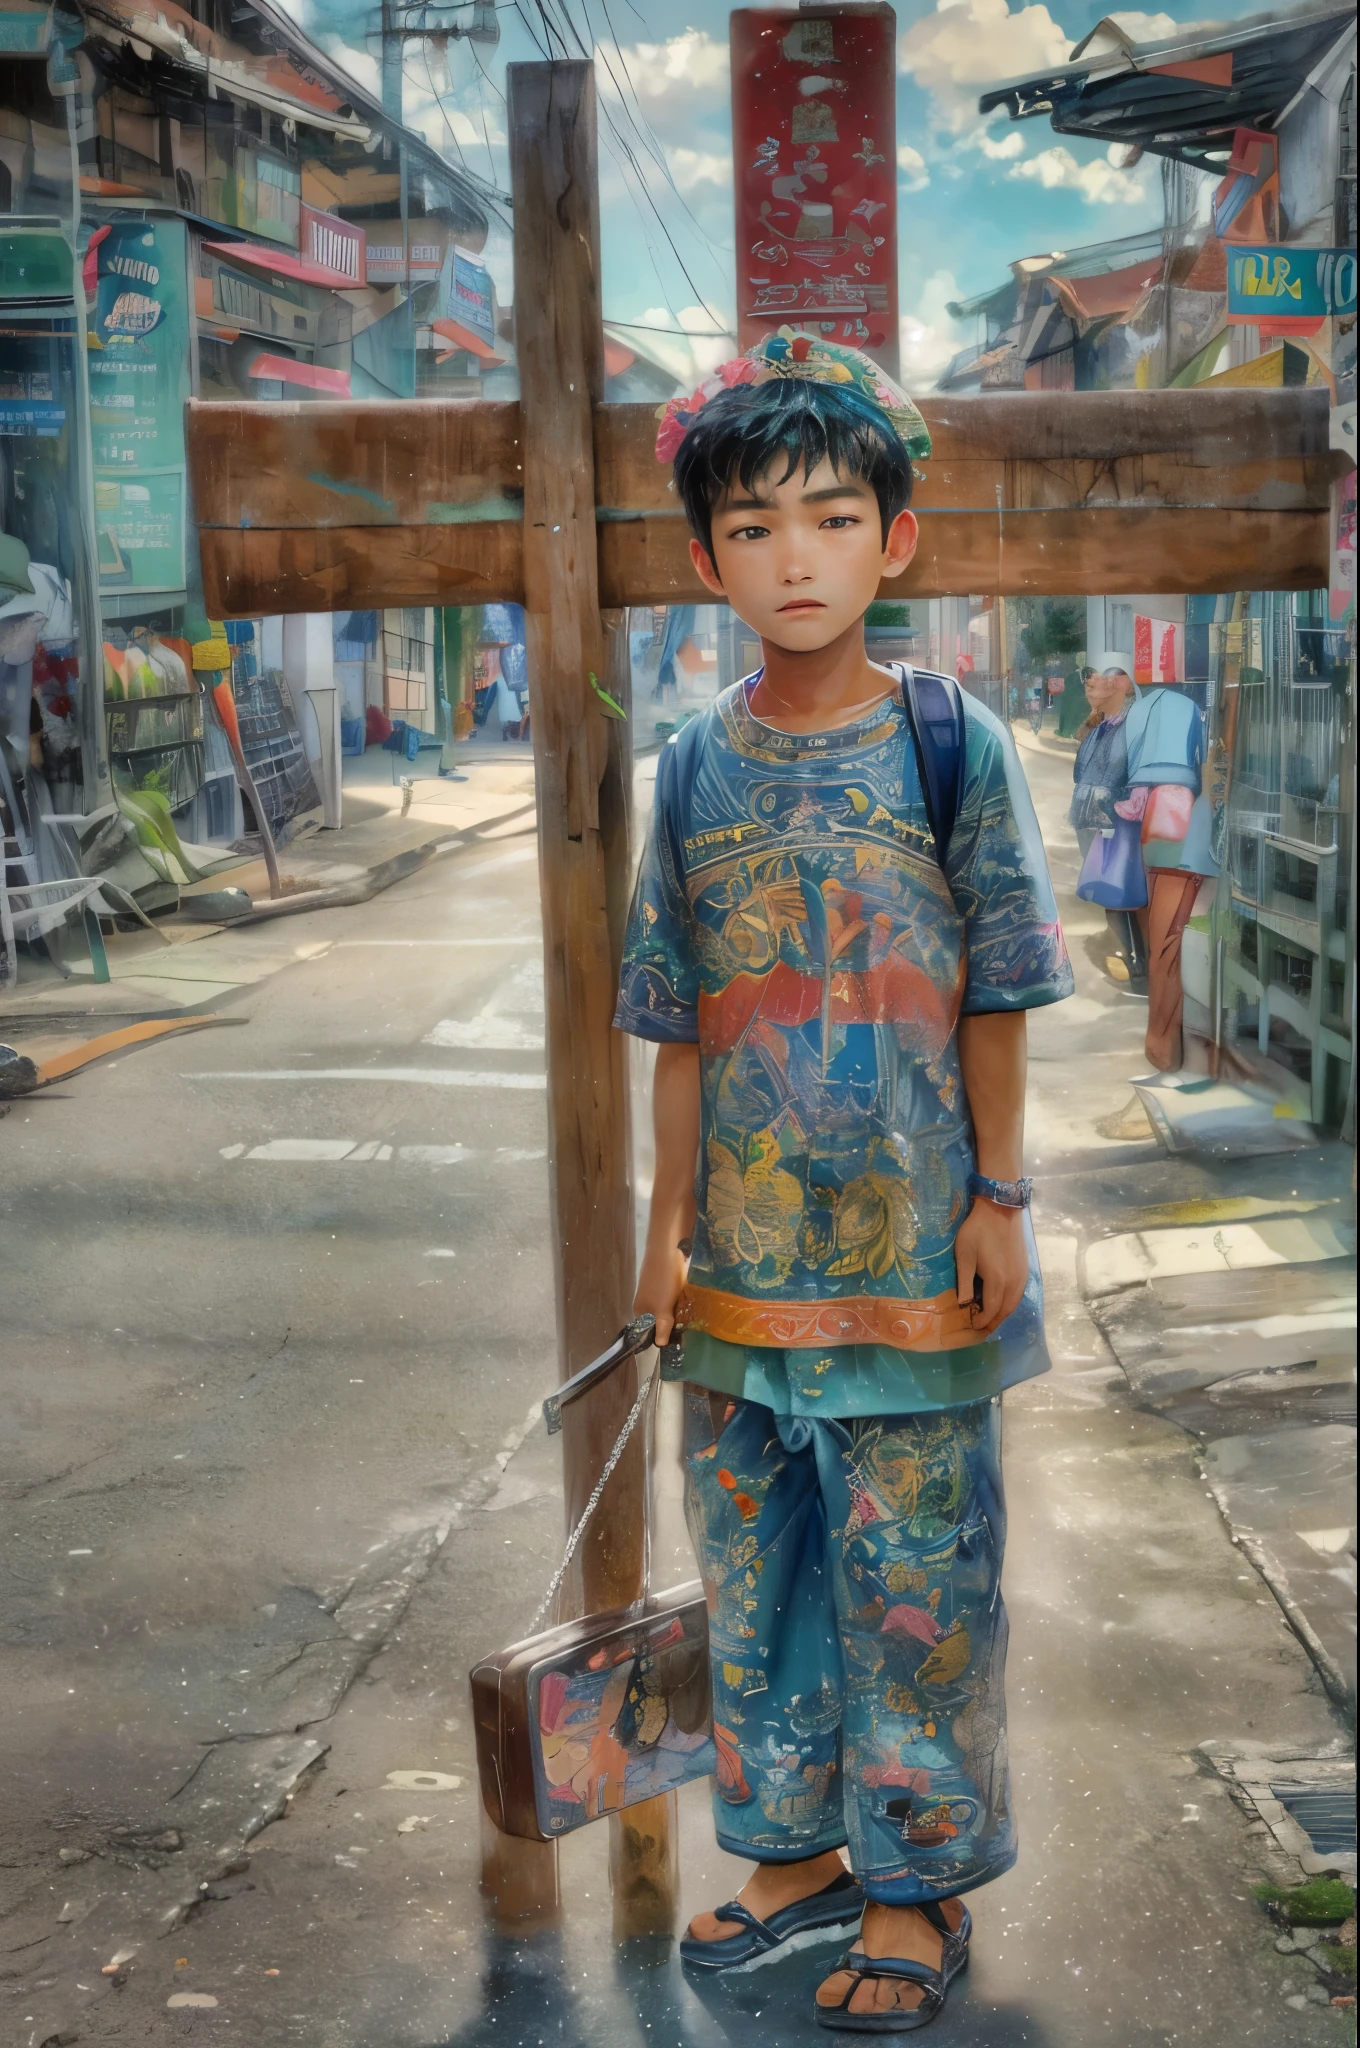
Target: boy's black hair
{"x":741,"y":434}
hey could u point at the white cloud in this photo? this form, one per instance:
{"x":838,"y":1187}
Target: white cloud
{"x":683,"y":341}
{"x":1099,"y":183}
{"x":929,"y":335}
{"x":692,"y":167}
{"x":1009,"y":143}
{"x":911,"y":166}
{"x":678,"y":83}
{"x":1146,"y":28}
{"x":967,"y":45}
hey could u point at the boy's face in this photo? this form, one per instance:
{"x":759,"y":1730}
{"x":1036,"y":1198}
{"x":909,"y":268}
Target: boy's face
{"x":801,"y":561}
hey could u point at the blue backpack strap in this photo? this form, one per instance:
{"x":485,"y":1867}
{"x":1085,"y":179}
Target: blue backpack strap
{"x":935,"y":714}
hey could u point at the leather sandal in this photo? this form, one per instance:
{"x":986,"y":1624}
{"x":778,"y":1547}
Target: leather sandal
{"x":837,"y":1904}
{"x":934,"y":1983}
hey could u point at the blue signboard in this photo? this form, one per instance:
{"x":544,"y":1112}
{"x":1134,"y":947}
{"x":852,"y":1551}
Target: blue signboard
{"x":1276,"y":285}
{"x":469,"y":295}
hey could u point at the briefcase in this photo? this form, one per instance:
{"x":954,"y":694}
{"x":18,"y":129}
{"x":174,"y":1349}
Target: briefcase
{"x":595,"y":1715}
{"x":591,"y":1716}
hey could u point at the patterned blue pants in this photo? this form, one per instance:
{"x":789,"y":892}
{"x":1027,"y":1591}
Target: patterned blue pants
{"x":853,"y":1572}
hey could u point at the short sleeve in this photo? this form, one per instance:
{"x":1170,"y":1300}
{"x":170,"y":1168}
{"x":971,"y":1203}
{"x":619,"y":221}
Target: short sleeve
{"x":659,"y":985}
{"x":997,"y":872}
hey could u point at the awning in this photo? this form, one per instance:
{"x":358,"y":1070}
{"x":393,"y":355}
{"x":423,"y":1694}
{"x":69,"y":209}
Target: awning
{"x":617,"y":357}
{"x":282,"y":264}
{"x":465,"y":338}
{"x":284,"y":370}
{"x":1097,"y":298}
{"x":1182,"y":96}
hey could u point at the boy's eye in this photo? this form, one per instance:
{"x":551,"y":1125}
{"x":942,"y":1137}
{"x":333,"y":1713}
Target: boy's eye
{"x":750,"y":533}
{"x":839,"y":519}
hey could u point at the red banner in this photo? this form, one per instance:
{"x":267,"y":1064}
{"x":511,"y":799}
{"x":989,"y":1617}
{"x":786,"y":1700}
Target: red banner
{"x":1158,"y":650}
{"x":814,"y":136}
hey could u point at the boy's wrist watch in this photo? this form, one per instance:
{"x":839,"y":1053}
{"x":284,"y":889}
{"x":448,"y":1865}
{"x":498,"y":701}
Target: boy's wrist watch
{"x":1007,"y":1194}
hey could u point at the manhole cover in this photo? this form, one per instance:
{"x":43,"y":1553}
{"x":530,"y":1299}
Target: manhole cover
{"x":1327,"y":1816}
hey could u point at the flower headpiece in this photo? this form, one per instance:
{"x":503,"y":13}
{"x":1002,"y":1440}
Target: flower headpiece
{"x":787,"y":354}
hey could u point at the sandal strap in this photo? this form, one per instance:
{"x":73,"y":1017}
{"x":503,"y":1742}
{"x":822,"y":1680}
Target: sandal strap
{"x":734,"y":1910}
{"x":892,"y":1966}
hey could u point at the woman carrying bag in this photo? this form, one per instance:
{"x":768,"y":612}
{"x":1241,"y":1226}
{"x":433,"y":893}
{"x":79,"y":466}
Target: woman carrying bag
{"x":1112,"y":864}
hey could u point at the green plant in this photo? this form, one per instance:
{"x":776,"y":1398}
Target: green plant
{"x":1341,"y":1961}
{"x":883,"y":613}
{"x":148,"y":811}
{"x":1059,"y":629}
{"x":1322,"y":1902}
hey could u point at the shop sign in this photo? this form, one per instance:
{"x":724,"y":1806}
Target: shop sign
{"x":139,"y":381}
{"x":1284,"y":287}
{"x":815,"y":160}
{"x":388,"y":261}
{"x":1158,"y":650}
{"x":467,"y":294}
{"x":332,"y":244}
{"x":30,"y":403}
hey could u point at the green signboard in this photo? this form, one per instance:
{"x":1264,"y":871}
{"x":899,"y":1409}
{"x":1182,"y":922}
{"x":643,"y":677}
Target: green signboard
{"x":139,"y":381}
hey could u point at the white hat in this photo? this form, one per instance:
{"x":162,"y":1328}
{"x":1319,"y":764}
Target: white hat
{"x":51,"y":597}
{"x":1110,"y":662}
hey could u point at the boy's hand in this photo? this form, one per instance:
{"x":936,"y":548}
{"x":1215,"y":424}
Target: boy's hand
{"x":664,"y":1271}
{"x":991,"y":1249}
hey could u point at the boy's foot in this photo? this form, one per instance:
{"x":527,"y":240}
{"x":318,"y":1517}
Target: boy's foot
{"x":770,"y":1887}
{"x":890,"y":1931}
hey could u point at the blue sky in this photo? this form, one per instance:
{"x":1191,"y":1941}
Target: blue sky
{"x":971,"y":197}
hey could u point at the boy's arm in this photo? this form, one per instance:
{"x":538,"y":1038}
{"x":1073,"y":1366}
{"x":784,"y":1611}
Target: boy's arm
{"x":675,"y":1121}
{"x":991,"y":1245}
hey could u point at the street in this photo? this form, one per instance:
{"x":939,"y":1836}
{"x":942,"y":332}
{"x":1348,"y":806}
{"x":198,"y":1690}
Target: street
{"x":278,"y":1313}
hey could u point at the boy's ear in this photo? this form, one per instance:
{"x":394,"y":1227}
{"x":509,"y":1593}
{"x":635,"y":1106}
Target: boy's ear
{"x":705,"y":571}
{"x":903,"y":535}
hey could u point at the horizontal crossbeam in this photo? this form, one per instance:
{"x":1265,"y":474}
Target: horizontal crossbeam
{"x":328,"y":506}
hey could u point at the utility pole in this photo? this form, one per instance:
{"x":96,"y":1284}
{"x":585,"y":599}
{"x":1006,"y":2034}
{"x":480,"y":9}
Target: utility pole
{"x":403,"y":22}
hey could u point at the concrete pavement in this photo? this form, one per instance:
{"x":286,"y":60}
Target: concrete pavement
{"x":281,"y":1309}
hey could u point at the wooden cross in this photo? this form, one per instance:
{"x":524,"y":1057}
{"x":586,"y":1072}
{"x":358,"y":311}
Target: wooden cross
{"x":558,"y":504}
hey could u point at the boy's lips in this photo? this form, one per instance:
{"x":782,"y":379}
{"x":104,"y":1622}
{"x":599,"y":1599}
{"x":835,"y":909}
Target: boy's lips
{"x":802,"y":604}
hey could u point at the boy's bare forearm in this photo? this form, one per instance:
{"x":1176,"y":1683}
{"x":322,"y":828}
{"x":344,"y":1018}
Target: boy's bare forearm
{"x":991,"y":1250}
{"x":670,"y":1222}
{"x":993,"y":1057}
{"x":675,"y":1129}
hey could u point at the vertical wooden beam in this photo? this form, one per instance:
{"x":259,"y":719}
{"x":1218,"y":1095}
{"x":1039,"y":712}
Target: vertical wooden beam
{"x":582,"y":772}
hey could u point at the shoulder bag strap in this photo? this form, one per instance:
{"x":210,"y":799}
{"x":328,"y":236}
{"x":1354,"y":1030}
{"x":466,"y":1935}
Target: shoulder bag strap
{"x":935,"y":714}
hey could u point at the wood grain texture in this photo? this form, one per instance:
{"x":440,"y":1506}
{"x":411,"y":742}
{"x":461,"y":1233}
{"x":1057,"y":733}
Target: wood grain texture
{"x":361,"y":568}
{"x":435,"y":462}
{"x":1097,"y":551}
{"x":582,"y":803}
{"x":1076,"y":553}
{"x":1060,"y":450}
{"x":360,"y":462}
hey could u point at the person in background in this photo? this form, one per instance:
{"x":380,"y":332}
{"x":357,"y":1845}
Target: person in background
{"x":1100,"y":777}
{"x":1164,"y":734}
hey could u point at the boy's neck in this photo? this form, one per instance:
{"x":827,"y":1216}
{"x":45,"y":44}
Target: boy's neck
{"x":815,"y":689}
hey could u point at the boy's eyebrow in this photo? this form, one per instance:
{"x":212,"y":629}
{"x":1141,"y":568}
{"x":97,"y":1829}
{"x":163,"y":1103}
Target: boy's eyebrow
{"x":848,"y":489}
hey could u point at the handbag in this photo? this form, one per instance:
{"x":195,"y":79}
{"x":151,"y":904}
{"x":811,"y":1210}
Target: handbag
{"x":1112,"y":873}
{"x":1167,"y":817}
{"x":595,"y":1715}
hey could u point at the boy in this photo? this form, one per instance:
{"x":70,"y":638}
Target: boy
{"x":838,"y":1215}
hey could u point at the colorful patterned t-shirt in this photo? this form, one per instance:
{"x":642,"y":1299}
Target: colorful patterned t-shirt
{"x":792,"y":917}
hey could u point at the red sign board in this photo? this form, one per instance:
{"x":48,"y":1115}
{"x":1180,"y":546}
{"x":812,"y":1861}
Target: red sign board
{"x":1158,"y":650}
{"x":814,"y":134}
{"x":328,"y":243}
